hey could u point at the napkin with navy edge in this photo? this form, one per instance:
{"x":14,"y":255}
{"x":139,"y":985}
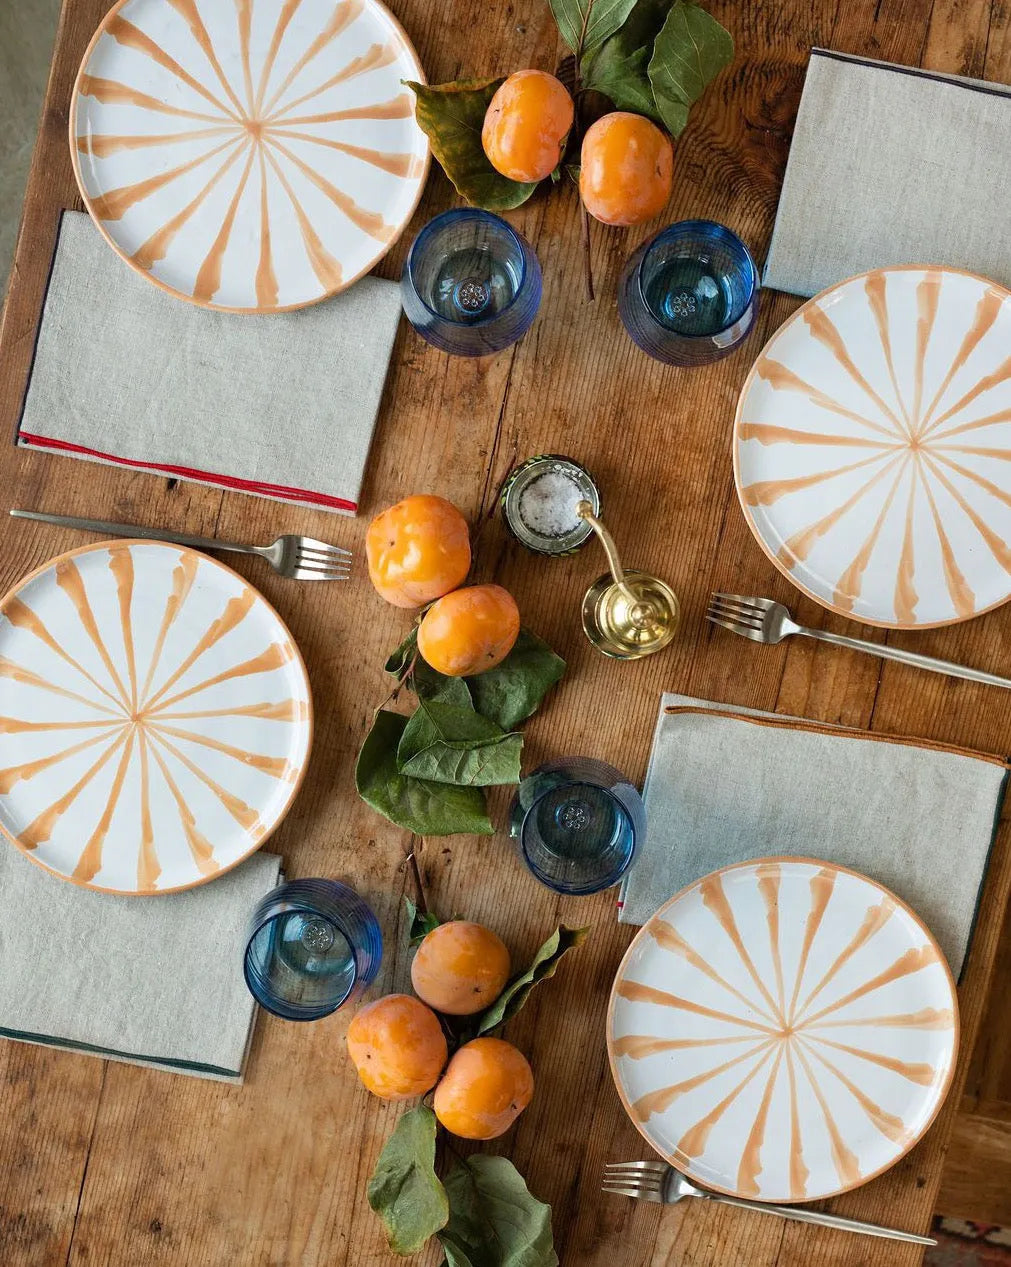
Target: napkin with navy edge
{"x":153,"y":981}
{"x":727,"y":784}
{"x":892,"y":165}
{"x":281,"y":405}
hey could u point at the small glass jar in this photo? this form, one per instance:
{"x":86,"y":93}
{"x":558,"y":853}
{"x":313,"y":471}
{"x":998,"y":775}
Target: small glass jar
{"x":539,"y":501}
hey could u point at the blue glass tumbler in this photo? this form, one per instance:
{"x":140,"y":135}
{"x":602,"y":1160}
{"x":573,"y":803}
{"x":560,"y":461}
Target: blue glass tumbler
{"x":471,"y":284}
{"x":312,"y":945}
{"x":579,"y":823}
{"x":690,"y":295}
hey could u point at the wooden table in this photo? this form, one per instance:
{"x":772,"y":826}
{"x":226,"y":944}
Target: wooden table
{"x":109,"y":1164}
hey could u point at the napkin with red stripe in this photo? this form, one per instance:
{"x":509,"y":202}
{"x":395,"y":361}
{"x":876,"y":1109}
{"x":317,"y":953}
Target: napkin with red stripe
{"x":282,"y":405}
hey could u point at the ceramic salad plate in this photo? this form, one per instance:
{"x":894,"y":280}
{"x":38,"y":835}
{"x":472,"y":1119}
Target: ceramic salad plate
{"x":783,"y":1029}
{"x":156,"y":717}
{"x":872,"y":448}
{"x":250,"y":155}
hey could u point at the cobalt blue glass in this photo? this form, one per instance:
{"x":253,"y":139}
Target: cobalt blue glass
{"x":689,"y":295}
{"x":471,"y":284}
{"x":312,"y":946}
{"x":579,"y":823}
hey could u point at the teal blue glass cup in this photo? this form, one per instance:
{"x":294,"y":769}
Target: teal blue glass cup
{"x":311,"y":947}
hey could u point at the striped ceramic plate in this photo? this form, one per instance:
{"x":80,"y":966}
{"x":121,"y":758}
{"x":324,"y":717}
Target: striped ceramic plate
{"x":155,"y":717}
{"x":249,"y":156}
{"x":873,"y":447}
{"x":783,"y":1029}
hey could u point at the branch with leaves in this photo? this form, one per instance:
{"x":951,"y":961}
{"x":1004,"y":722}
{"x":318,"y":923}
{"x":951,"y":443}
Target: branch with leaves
{"x":481,"y":1209}
{"x":650,"y":57}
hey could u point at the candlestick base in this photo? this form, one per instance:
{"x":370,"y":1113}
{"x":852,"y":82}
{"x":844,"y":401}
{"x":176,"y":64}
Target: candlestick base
{"x":627,"y":630}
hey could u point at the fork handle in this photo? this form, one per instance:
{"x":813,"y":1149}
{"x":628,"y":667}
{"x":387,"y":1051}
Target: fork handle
{"x":823,"y":1220}
{"x":134,"y":530}
{"x":912,"y":658}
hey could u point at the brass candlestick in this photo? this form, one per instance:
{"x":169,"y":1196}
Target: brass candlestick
{"x":626,"y":614}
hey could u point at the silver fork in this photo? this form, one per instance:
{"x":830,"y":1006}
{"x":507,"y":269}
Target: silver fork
{"x":763,"y":620}
{"x":659,"y":1181}
{"x":299,"y":558}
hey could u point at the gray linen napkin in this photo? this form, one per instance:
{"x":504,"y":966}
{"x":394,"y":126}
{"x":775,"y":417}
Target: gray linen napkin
{"x":892,"y":165}
{"x":916,"y":817}
{"x":281,"y":405}
{"x":150,"y":980}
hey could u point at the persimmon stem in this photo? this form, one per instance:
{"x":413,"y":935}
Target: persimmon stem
{"x":584,"y":216}
{"x":419,"y":884}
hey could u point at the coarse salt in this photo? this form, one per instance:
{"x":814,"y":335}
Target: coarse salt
{"x":547,"y":506}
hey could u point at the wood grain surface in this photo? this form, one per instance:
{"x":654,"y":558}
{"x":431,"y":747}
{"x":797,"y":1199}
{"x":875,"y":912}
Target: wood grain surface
{"x":106,"y":1164}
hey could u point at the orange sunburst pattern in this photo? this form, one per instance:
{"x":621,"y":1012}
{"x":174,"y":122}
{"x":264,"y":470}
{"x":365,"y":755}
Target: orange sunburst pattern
{"x":873,"y":447}
{"x":783,"y":1029}
{"x":252,"y":155}
{"x":155,"y":717}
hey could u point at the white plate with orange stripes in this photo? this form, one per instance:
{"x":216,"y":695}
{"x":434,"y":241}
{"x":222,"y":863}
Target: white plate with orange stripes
{"x":251,"y":157}
{"x":872,"y":447}
{"x":783,"y":1029}
{"x":155,"y":717}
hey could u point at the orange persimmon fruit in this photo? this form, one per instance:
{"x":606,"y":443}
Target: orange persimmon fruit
{"x":526,"y":125}
{"x":626,"y":170}
{"x":460,"y":968}
{"x":417,"y":550}
{"x":397,"y":1046}
{"x":469,"y":630}
{"x":486,"y":1086}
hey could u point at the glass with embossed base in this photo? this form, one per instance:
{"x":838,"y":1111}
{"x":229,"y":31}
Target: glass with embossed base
{"x":690,"y":295}
{"x":471,"y":284}
{"x":312,"y":946}
{"x":579,"y":823}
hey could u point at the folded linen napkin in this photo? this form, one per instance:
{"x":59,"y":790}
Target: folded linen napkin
{"x":728,"y":784}
{"x":281,"y":405}
{"x":150,"y":980}
{"x":892,"y":165}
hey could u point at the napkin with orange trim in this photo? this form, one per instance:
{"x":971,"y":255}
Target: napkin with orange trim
{"x":153,"y":981}
{"x":282,"y":406}
{"x":728,"y":784}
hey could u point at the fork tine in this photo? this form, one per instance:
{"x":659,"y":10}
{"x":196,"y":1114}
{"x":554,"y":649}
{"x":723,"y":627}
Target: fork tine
{"x":743,"y":609}
{"x":638,"y":1194}
{"x":322,"y":552}
{"x":312,"y":543}
{"x":754,"y":634}
{"x":640,"y":1167}
{"x":320,"y":574}
{"x":745,"y":600}
{"x":714,"y":612}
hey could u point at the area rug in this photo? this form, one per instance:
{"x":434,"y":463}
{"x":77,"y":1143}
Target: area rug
{"x":964,"y":1244}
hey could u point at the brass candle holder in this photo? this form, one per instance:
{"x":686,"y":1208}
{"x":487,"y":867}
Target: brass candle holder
{"x":627,"y":614}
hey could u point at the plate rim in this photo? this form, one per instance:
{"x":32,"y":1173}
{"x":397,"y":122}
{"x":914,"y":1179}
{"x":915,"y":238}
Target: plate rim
{"x":209,"y":305}
{"x":839,"y":868}
{"x":309,"y":721}
{"x":736,"y":443}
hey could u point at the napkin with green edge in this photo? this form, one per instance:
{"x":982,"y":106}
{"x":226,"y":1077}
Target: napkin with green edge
{"x":727,"y":784}
{"x":153,"y":981}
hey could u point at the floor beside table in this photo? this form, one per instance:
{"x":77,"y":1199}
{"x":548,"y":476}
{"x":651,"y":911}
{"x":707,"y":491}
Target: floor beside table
{"x":112,"y":1164}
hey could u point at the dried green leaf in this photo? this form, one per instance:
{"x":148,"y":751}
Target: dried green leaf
{"x":418,"y":925}
{"x":459,"y":746}
{"x":585,"y":24}
{"x":513,"y":690}
{"x":418,"y":805}
{"x":404,"y":1189}
{"x":690,"y":51}
{"x":620,"y":68}
{"x":494,"y":1221}
{"x":544,"y":964}
{"x":407,"y":666}
{"x":451,"y":116}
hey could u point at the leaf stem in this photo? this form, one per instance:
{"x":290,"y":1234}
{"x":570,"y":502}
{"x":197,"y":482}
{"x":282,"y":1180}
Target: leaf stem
{"x":584,"y":217}
{"x":419,"y":884}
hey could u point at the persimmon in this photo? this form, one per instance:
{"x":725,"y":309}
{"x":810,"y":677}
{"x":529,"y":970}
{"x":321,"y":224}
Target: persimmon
{"x":397,"y":1046}
{"x":526,"y":125}
{"x":470,"y":630}
{"x":460,"y":968}
{"x":417,"y":550}
{"x":626,"y":170}
{"x":486,"y":1086}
